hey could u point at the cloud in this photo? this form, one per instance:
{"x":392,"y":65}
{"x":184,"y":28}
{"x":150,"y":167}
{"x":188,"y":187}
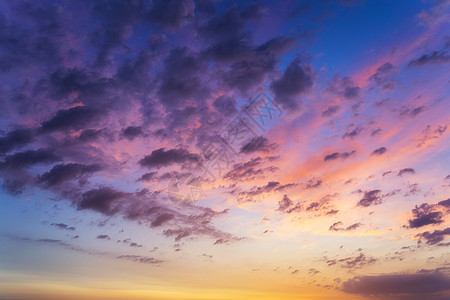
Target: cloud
{"x":258,"y":144}
{"x":63,"y":226}
{"x":180,"y":77}
{"x":162,"y":157}
{"x":14,"y":186}
{"x":73,"y":118}
{"x":161,"y":219}
{"x":15,"y":138}
{"x":336,"y":155}
{"x":132,"y":132}
{"x":297,"y":79}
{"x":287,"y":205}
{"x":338,"y":227}
{"x":89,"y":135}
{"x":141,"y":259}
{"x":445,"y":203}
{"x":225,"y":105}
{"x":313,"y":183}
{"x":255,"y":191}
{"x":277,"y":45}
{"x":434,"y":58}
{"x":370,"y":198}
{"x":104,"y":200}
{"x":406,"y":171}
{"x":246,"y":74}
{"x":28,"y":158}
{"x":171,"y":13}
{"x":352,"y":133}
{"x":331,"y":110}
{"x":352,"y":92}
{"x":282,"y":187}
{"x":344,"y":87}
{"x":353,"y":262}
{"x":435,"y":237}
{"x":148,"y":176}
{"x":248,"y":170}
{"x":381,"y":77}
{"x":32,"y":35}
{"x":411,"y":286}
{"x":375,"y":132}
{"x":323,"y":206}
{"x":412,"y":112}
{"x":429,"y":134}
{"x":425,"y":214}
{"x":61,"y":173}
{"x":379,"y":151}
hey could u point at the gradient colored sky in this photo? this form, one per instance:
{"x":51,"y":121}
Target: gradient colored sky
{"x":122,"y":175}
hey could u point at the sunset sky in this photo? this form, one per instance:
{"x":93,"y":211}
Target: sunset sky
{"x":207,"y":149}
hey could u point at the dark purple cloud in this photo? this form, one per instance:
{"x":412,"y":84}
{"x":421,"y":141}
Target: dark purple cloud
{"x":132,"y":132}
{"x":410,"y":286}
{"x":406,"y":171}
{"x":379,"y":151}
{"x":336,"y":155}
{"x":381,"y":77}
{"x":72,"y":118}
{"x":61,"y":173}
{"x":256,"y":191}
{"x":288,"y":206}
{"x":338,"y":226}
{"x":352,"y":92}
{"x":148,"y":176}
{"x":298,"y":78}
{"x":285,"y":203}
{"x":246,"y":74}
{"x":445,"y":203}
{"x":104,"y":200}
{"x":258,"y":144}
{"x":171,"y":13}
{"x":435,"y":237}
{"x":352,"y":262}
{"x":425,"y":214}
{"x":63,"y":226}
{"x":434,"y":58}
{"x":344,"y":87}
{"x":331,"y":110}
{"x":180,"y":78}
{"x":161,"y":219}
{"x":352,"y":133}
{"x":313,"y":183}
{"x":141,"y":259}
{"x":28,"y":158}
{"x":225,"y":105}
{"x":15,"y":138}
{"x":162,"y":157}
{"x":88,"y":135}
{"x":248,"y":170}
{"x":370,"y":198}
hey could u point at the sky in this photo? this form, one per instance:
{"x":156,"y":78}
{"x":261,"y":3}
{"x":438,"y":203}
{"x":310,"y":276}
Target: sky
{"x":181,"y":149}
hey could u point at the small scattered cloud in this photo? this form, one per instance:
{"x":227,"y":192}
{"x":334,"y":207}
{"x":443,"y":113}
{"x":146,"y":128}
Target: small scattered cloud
{"x":404,"y":286}
{"x":338,"y":155}
{"x":406,"y":171}
{"x":370,"y":198}
{"x":379,"y":151}
{"x":63,"y":226}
